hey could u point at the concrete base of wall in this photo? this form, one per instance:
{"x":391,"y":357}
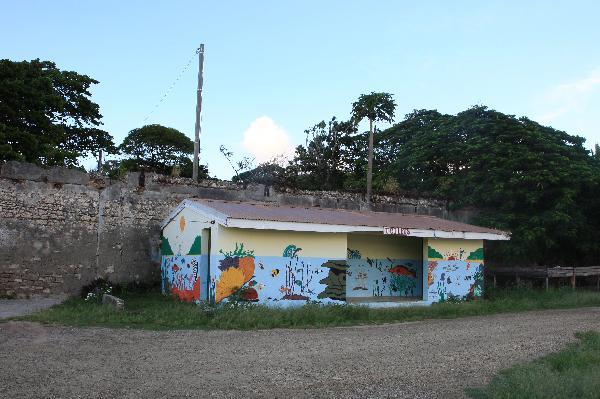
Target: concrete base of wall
{"x":404,"y":304}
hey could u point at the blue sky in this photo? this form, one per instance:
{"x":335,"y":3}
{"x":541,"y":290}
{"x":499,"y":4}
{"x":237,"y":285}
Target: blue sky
{"x":274,"y":68}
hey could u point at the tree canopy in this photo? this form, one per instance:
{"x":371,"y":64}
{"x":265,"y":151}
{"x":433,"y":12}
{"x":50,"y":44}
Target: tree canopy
{"x":47,"y":116}
{"x":540,"y":183}
{"x":158,"y":148}
{"x":533,"y":180}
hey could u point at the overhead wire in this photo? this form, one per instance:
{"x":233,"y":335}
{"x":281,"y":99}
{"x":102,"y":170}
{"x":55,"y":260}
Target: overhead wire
{"x":166,"y":94}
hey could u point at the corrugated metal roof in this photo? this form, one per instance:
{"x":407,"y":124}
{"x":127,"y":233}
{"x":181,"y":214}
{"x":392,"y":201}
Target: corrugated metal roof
{"x":341,"y":217}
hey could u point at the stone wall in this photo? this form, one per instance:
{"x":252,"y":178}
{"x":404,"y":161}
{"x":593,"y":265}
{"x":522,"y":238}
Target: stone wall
{"x":61,"y":228}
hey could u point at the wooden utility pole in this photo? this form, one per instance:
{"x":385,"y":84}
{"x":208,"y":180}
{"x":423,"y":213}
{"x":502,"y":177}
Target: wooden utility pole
{"x":198,"y":112}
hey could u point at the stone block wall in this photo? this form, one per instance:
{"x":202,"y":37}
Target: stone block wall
{"x":61,"y":228}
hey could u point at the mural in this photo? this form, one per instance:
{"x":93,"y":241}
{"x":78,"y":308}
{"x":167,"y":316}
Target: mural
{"x":335,"y":282}
{"x":181,"y":272}
{"x":237,"y":269}
{"x":285,"y":279}
{"x":180,"y":276}
{"x":368,"y":277}
{"x":454,"y":274}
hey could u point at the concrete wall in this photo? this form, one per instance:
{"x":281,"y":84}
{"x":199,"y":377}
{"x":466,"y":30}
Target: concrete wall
{"x":455,"y":269}
{"x":61,"y":228}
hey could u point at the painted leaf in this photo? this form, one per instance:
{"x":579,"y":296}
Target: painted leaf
{"x":165,"y":247}
{"x":196,"y":248}
{"x":476,"y":255}
{"x":433,"y":254}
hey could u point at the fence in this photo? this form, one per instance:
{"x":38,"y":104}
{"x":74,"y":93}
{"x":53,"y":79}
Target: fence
{"x":546,"y":273}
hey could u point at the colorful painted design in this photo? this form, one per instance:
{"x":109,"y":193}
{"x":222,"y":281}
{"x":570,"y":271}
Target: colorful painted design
{"x":181,"y":277}
{"x":284,"y":280}
{"x":384,"y":277}
{"x":237,"y":268}
{"x":454,"y":274}
{"x":433,"y":254}
{"x":181,"y":274}
{"x":335,"y":281}
{"x":291,"y":251}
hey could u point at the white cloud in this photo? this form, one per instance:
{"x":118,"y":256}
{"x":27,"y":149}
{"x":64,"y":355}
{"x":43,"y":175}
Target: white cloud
{"x":265,"y":140}
{"x":569,"y":97}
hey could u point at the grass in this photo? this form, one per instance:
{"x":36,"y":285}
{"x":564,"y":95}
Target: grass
{"x":571,"y":373}
{"x":157,"y":312}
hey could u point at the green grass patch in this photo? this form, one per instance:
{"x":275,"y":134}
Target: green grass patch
{"x":155,"y":311}
{"x":571,"y":373}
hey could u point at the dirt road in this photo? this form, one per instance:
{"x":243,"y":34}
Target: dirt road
{"x":427,"y":359}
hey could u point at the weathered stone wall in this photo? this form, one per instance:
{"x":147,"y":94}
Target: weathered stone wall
{"x":61,"y":228}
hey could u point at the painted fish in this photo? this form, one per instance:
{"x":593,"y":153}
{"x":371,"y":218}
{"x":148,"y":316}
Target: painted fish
{"x":274,"y":272}
{"x":175,"y":268}
{"x":401,"y":270}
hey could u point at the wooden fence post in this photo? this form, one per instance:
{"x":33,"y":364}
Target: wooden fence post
{"x":546,"y":278}
{"x":495,"y":280}
{"x":573,"y":278}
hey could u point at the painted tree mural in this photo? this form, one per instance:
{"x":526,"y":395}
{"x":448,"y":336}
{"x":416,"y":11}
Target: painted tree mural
{"x":335,"y":281}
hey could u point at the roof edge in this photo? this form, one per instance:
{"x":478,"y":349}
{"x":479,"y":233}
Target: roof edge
{"x":199,"y":208}
{"x":339,"y":228}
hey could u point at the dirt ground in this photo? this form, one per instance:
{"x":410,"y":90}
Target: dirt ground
{"x":426,"y":359}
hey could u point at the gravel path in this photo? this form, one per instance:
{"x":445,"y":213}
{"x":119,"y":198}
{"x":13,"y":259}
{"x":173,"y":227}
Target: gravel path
{"x":427,"y":359}
{"x":21,"y":307}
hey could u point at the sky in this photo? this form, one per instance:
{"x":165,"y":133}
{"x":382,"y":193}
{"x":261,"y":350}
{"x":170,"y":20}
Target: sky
{"x":274,"y":68}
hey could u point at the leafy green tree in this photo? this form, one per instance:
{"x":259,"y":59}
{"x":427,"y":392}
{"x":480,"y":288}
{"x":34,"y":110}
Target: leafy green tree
{"x":326,"y":159}
{"x":158,"y":148}
{"x":537,"y":182}
{"x":376,"y":107}
{"x":47,"y":116}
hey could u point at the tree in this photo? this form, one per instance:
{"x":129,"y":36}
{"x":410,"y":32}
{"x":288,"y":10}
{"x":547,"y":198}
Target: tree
{"x":267,"y":173}
{"x":157,"y":148}
{"x":239,"y":167}
{"x":327,"y":157}
{"x":376,"y":107}
{"x":535,"y":181}
{"x":47,"y":116}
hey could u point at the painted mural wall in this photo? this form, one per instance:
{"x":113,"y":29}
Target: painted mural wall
{"x":184,"y":258}
{"x":455,"y":269}
{"x":279,"y":267}
{"x":384,"y":266}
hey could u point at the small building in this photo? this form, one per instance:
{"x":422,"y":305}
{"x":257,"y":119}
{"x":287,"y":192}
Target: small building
{"x":214,"y":250}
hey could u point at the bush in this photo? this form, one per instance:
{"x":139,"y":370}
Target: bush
{"x":96,"y":289}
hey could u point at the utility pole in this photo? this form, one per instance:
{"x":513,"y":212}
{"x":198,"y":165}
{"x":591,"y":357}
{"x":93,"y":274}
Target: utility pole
{"x":198,"y":112}
{"x":100,"y":161}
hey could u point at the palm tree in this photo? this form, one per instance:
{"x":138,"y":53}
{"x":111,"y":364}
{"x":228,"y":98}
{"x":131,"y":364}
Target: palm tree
{"x":376,"y":107}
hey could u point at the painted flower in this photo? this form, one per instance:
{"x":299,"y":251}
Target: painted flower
{"x":229,"y":282}
{"x":246,"y":264}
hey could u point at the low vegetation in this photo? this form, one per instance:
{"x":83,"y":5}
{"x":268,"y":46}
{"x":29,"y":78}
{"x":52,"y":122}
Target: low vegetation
{"x":571,"y":373}
{"x":155,"y":311}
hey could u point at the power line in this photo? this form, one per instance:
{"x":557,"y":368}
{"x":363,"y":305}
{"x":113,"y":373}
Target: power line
{"x":164,"y":96}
